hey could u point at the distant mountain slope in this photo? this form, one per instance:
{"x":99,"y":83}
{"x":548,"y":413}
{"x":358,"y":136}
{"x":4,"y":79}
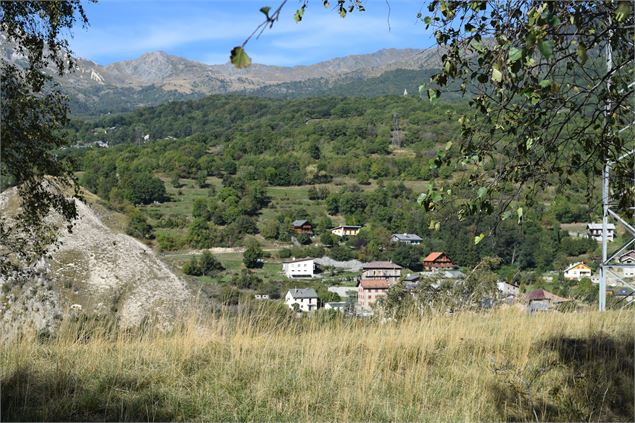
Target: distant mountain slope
{"x":158,"y":77}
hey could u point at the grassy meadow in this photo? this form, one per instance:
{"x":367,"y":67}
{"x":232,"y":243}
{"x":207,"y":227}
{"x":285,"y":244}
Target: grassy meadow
{"x":257,"y":364}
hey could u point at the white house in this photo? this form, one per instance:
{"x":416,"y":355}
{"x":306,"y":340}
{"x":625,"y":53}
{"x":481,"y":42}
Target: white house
{"x":299,"y":268}
{"x":411,"y":239}
{"x":261,"y":296}
{"x":306,"y":299}
{"x":346,"y":230}
{"x":628,"y":258}
{"x":594,"y":231}
{"x":577,"y":271}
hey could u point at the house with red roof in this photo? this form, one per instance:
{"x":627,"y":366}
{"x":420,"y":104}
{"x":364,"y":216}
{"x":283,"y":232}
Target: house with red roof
{"x":437,"y":260}
{"x":370,"y":290}
{"x":542,"y":300}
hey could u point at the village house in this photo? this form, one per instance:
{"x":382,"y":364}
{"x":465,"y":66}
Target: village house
{"x":370,"y":290}
{"x":387,"y":270}
{"x":577,"y":271}
{"x":410,"y":239}
{"x":306,"y":299}
{"x":299,"y":268}
{"x":594,"y":231}
{"x":302,"y":226}
{"x":436,"y":261}
{"x":628,"y":258}
{"x":542,"y":300}
{"x":346,"y":230}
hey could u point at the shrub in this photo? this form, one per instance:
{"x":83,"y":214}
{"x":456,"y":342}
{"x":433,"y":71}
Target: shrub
{"x":205,"y":265}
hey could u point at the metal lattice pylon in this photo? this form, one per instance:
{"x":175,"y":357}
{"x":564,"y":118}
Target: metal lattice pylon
{"x":608,"y":264}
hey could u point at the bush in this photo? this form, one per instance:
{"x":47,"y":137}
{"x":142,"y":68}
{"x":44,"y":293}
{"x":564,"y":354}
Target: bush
{"x":139,"y":227}
{"x":205,"y":265}
{"x":304,"y":239}
{"x":247,"y":280}
{"x":143,"y":188}
{"x":252,"y":255}
{"x":341,"y":253}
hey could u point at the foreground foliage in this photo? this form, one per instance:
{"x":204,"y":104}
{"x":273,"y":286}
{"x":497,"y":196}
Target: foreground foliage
{"x":262,"y":365}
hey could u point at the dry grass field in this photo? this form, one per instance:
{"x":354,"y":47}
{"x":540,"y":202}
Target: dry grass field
{"x":257,"y":364}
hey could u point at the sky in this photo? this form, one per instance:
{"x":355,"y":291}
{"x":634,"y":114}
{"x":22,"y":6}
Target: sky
{"x":207,"y":30}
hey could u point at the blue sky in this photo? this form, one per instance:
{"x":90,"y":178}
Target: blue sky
{"x":206,"y":30}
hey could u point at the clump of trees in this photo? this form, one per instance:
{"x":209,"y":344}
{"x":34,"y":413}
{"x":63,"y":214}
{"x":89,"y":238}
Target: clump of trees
{"x":204,"y":265}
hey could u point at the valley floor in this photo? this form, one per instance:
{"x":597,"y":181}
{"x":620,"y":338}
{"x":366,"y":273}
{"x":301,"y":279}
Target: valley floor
{"x":258,"y":364}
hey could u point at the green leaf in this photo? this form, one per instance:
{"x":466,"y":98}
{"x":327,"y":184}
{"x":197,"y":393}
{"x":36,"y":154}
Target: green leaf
{"x":298,"y":14}
{"x":545,"y":83}
{"x":422,"y":89}
{"x":433,"y":94}
{"x":520,"y":213}
{"x":427,"y":20}
{"x":448,"y":145}
{"x":239,"y":58}
{"x":342,"y":12}
{"x":482,"y":192}
{"x":623,"y":9}
{"x":265,"y":10}
{"x":515,"y":54}
{"x":497,"y":76}
{"x":546,"y":48}
{"x":479,"y":238}
{"x":581,"y":52}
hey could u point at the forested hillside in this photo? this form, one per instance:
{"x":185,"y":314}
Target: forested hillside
{"x":206,"y":173}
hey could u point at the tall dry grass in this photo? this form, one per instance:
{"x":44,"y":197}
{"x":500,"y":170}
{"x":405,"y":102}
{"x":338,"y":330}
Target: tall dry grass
{"x":496,"y":366}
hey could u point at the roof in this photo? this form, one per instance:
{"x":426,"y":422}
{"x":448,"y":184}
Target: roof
{"x":347,"y":226}
{"x":542,"y":294}
{"x":374,"y":284}
{"x":412,"y":278}
{"x":407,"y":237}
{"x":599,"y":226}
{"x":303,"y":293}
{"x":623,"y":292}
{"x":434,"y":256}
{"x":298,"y":260}
{"x":572,"y":266}
{"x":381,"y":265}
{"x":300,"y":222}
{"x":454,"y":274}
{"x":629,"y":254}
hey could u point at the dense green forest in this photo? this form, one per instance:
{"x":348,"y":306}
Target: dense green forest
{"x":218,"y":171}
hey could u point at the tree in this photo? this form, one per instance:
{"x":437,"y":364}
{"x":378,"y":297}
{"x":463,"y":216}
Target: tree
{"x":303,"y":238}
{"x":546,"y":100}
{"x":328,"y":239}
{"x":205,"y":265}
{"x":143,"y":188}
{"x":32,"y":114}
{"x":408,"y":256}
{"x":139,"y":227}
{"x":252,"y":255}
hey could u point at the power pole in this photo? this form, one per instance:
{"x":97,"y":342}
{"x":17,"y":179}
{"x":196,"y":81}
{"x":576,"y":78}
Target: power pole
{"x":608,"y":264}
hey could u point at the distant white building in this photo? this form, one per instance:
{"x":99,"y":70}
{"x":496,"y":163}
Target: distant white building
{"x":628,"y":258}
{"x":411,"y":239}
{"x":306,"y":299}
{"x":346,"y":230}
{"x":261,"y":296}
{"x":577,"y":271}
{"x":594,"y":231}
{"x":299,"y":268}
